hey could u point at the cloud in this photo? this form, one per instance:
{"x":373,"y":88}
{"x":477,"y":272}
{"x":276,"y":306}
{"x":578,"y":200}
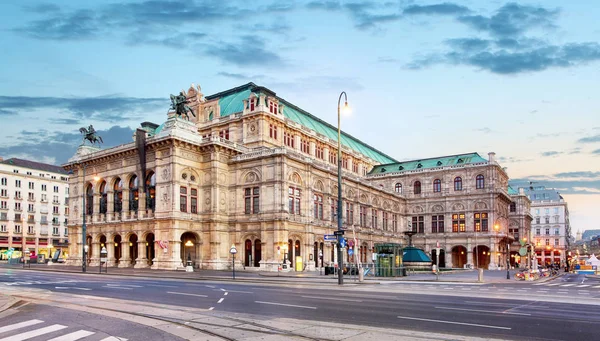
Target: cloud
{"x":437,"y":9}
{"x":4,"y":112}
{"x":58,"y":147}
{"x":176,"y":40}
{"x":579,"y":174}
{"x":571,"y":186}
{"x":484,"y":130}
{"x":589,"y":139}
{"x":366,"y":15}
{"x":469,"y":44}
{"x":551,"y":153}
{"x":106,"y":109}
{"x":511,"y":159}
{"x":79,"y":25}
{"x":43,"y":8}
{"x":324,"y":5}
{"x":596,"y":152}
{"x":240,"y":76}
{"x":249,"y":51}
{"x":511,"y":20}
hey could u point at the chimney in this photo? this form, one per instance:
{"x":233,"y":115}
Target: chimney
{"x":521,"y":190}
{"x":492,"y":157}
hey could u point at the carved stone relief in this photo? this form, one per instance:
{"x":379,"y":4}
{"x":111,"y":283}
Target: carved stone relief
{"x":437,"y":208}
{"x":165,"y":174}
{"x":458,"y":207}
{"x":165,"y":196}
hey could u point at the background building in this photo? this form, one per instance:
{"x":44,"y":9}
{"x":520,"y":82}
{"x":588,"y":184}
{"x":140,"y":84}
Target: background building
{"x":255,"y":171}
{"x":33,"y":207}
{"x":551,"y":228}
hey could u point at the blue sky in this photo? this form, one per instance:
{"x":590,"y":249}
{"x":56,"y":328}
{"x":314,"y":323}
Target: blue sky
{"x":424,"y":78}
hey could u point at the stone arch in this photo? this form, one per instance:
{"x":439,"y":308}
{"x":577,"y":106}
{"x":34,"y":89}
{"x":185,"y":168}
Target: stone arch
{"x":396,"y":207}
{"x":458,"y":207}
{"x":364,"y":199}
{"x":351,"y":194}
{"x":386,"y":205}
{"x":418,"y":209}
{"x":480,"y":205}
{"x":375,"y":201}
{"x":437,"y":208}
{"x":319,"y":185}
{"x":295,"y":178}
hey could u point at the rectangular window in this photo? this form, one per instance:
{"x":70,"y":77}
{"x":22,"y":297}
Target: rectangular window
{"x":537,"y":211}
{"x":193,"y":200}
{"x":363,"y":216}
{"x":4,"y":193}
{"x":547,"y":220}
{"x":4,"y":205}
{"x":55,"y":209}
{"x":30,"y":230}
{"x":17,"y":194}
{"x":273,"y":131}
{"x":224,"y":134}
{"x":556,"y":219}
{"x":31,"y":185}
{"x":334,"y":209}
{"x":547,"y":231}
{"x":547,"y":241}
{"x":557,"y":231}
{"x":481,"y":222}
{"x":537,"y":220}
{"x":17,"y":206}
{"x":349,"y":213}
{"x":437,"y":224}
{"x":345,"y":163}
{"x":319,"y":154}
{"x":318,"y":206}
{"x":183,"y":199}
{"x":556,"y":242}
{"x":18,"y":183}
{"x":273,"y":108}
{"x":304,"y":146}
{"x":355,"y":167}
{"x":3,"y":181}
{"x":395,"y":222}
{"x":418,"y":224}
{"x":55,"y":189}
{"x":384,"y":220}
{"x":333,"y":157}
{"x":547,"y":210}
{"x":31,"y":196}
{"x":2,"y":228}
{"x":44,"y":188}
{"x":294,"y":200}
{"x":537,"y":231}
{"x":288,"y":139}
{"x":458,"y":222}
{"x":17,"y":229}
{"x":374,"y":222}
{"x":251,"y":197}
{"x":556,"y":210}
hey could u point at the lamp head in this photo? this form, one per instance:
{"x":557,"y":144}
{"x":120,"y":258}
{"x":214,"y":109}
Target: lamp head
{"x":346,"y":109}
{"x":497,"y":227}
{"x":96,"y":178}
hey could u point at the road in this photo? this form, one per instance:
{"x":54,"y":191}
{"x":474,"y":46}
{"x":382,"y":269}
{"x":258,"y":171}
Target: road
{"x":563,"y":309}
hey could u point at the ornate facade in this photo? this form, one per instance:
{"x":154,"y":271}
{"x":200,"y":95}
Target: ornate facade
{"x":254,"y":171}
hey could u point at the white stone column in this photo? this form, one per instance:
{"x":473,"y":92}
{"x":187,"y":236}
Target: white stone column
{"x":125,"y":261}
{"x":141,"y":261}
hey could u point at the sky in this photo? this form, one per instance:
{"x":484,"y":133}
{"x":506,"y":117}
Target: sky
{"x":423,"y":78}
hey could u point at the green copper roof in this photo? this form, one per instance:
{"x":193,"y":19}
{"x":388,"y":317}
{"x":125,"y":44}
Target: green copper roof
{"x":413,"y":254}
{"x":511,"y":191}
{"x":231,"y":102}
{"x":442,"y":161}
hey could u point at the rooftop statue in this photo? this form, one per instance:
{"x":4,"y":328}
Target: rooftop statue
{"x":89,"y":134}
{"x":179,"y":104}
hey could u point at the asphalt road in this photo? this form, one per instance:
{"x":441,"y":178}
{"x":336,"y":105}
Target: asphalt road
{"x":474,"y":310}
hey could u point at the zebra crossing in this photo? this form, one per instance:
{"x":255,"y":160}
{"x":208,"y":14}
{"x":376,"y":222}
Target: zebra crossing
{"x":25,"y":331}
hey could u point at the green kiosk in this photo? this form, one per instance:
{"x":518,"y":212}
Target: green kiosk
{"x":389,"y":260}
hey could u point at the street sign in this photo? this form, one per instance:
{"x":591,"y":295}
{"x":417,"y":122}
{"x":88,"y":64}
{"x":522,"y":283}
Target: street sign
{"x":329,"y":238}
{"x":342,"y":243}
{"x":350,"y":252}
{"x":338,"y":233}
{"x":523,"y":251}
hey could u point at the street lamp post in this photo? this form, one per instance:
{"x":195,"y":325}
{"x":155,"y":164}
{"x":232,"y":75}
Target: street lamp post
{"x":339,"y":208}
{"x":497,"y":229}
{"x":233,"y":251}
{"x":84,"y":227}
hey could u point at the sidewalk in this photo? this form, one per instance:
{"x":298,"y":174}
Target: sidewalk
{"x":465,"y":276}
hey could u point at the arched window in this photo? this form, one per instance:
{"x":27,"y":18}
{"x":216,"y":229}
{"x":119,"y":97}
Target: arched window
{"x":103,"y":197}
{"x":479,"y":182}
{"x":398,"y":188}
{"x":89,"y":199}
{"x":417,"y":187}
{"x":437,"y":185}
{"x":151,"y":191}
{"x":133,"y":193}
{"x":118,"y":193}
{"x":458,"y":183}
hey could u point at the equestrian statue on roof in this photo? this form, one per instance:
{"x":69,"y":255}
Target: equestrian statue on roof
{"x":89,"y":134}
{"x":179,"y":104}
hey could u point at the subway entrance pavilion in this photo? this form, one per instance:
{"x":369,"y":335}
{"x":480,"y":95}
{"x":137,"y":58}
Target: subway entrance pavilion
{"x":258,"y":172}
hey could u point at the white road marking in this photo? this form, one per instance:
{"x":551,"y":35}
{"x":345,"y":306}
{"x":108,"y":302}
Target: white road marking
{"x":211,"y":308}
{"x":452,"y":322}
{"x":332,"y":298}
{"x":161,"y":286}
{"x":223,"y":289}
{"x":579,"y":286}
{"x":87,"y":289}
{"x":483,"y":311}
{"x":113,"y":287}
{"x":33,"y":333}
{"x":568,"y":285}
{"x":225,"y":294}
{"x":185,"y":293}
{"x":597,"y":287}
{"x":220,"y":300}
{"x":284,"y":305}
{"x":210,"y":286}
{"x":124,"y":285}
{"x":80,"y":334}
{"x":19,"y":325}
{"x":114,"y":338}
{"x":553,"y":284}
{"x":238,"y":291}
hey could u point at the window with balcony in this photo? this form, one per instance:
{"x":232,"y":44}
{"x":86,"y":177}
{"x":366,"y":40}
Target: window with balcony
{"x":55,"y":210}
{"x":55,"y":199}
{"x":31,"y":196}
{"x":30,"y":230}
{"x":224,"y":134}
{"x":318,"y":206}
{"x":31,"y":208}
{"x":18,"y":195}
{"x":17,"y":206}
{"x":3,"y":216}
{"x":3,"y":205}
{"x":3,"y":193}
{"x":30,"y":218}
{"x":17,"y":229}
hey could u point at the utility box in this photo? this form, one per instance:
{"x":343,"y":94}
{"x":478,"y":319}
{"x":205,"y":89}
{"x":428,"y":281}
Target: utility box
{"x":298,"y":263}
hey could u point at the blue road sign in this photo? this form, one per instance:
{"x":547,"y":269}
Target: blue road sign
{"x":350,"y":252}
{"x":343,"y":243}
{"x":330,"y":238}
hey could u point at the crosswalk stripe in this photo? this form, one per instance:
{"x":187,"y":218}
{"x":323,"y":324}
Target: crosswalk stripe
{"x":597,"y":287}
{"x":34,"y":333}
{"x":73,"y":336}
{"x":567,"y":285}
{"x":553,"y":284}
{"x":114,"y":338}
{"x":19,"y":325}
{"x":583,"y":286}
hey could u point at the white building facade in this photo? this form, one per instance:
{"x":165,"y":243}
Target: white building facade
{"x":33,"y":207}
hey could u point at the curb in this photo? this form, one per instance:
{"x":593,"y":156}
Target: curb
{"x":10,"y":302}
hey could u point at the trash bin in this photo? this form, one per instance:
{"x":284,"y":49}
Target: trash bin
{"x":403,"y":271}
{"x":329,"y":270}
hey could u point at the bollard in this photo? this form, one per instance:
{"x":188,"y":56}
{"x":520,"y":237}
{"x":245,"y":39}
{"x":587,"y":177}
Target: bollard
{"x":361,"y":275}
{"x":480,"y":277}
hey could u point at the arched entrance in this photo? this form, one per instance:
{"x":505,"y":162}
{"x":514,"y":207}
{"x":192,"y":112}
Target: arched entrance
{"x":481,"y":256}
{"x":133,"y":248}
{"x":459,"y":256}
{"x":257,"y":252}
{"x":294,"y":250}
{"x":117,"y":248}
{"x":102,"y":241}
{"x":150,"y":248}
{"x":247,"y":252}
{"x":188,"y":248}
{"x":442,"y":258}
{"x":88,"y":242}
